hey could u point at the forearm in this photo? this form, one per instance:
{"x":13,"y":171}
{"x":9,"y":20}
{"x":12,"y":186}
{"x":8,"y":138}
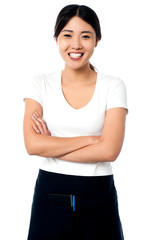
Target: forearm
{"x":39,"y":142}
{"x":89,"y":149}
{"x":48,"y":146}
{"x":98,"y":152}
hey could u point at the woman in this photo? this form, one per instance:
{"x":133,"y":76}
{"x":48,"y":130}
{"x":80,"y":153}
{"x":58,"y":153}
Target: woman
{"x":75,"y":119}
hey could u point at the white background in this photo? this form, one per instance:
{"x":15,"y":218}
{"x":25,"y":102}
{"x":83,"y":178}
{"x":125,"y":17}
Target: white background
{"x":130,"y":49}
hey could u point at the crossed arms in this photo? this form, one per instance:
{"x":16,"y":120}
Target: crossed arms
{"x":85,"y":149}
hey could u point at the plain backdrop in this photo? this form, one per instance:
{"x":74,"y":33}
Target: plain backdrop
{"x":129,"y":49}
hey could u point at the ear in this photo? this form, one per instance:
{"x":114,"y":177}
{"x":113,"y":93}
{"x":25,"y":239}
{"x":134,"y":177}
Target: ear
{"x":57,"y":41}
{"x":96,"y":43}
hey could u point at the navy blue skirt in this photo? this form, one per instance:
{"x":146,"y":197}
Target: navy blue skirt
{"x":74,"y":207}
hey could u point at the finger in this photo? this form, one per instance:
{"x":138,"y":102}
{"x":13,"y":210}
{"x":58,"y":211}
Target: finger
{"x":36,"y":129}
{"x":37,"y":114}
{"x":38,"y":123}
{"x":46,"y":131}
{"x":36,"y":117}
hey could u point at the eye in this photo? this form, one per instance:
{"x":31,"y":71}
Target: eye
{"x":67,"y":35}
{"x":85,"y":36}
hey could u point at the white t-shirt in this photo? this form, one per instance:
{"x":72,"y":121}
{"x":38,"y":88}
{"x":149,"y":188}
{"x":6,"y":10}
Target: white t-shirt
{"x":65,"y":121}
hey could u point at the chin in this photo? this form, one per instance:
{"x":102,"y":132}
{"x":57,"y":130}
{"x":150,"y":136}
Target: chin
{"x":78,"y":66}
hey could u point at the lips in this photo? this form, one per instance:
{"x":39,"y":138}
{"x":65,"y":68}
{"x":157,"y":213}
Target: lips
{"x":75,"y":55}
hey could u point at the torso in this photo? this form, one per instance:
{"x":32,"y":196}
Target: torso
{"x":85,"y":117}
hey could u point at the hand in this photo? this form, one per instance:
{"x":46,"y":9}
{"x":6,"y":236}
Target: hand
{"x":40,"y":126}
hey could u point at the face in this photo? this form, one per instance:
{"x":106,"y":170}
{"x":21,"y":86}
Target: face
{"x":76,"y":43}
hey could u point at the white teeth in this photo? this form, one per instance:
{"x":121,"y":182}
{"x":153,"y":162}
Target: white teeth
{"x":75,"y":55}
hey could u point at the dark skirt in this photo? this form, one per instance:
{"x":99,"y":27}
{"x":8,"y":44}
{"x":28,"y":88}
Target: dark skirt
{"x":74,"y":207}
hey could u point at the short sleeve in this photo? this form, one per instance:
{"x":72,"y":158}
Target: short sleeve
{"x":117,"y":95}
{"x":34,"y":90}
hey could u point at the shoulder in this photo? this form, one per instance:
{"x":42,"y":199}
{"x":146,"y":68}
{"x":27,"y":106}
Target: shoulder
{"x":47,"y":78}
{"x":109,"y":84}
{"x":109,"y":81}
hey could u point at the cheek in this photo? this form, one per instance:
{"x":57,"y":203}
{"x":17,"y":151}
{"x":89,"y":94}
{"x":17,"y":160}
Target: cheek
{"x":90,"y":46}
{"x":62,"y":46}
{"x":90,"y":49}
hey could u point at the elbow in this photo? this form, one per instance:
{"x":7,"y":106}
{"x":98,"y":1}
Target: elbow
{"x":36,"y":147}
{"x":110,"y":155}
{"x":112,"y":158}
{"x":110,"y":152}
{"x":30,"y":152}
{"x":30,"y":149}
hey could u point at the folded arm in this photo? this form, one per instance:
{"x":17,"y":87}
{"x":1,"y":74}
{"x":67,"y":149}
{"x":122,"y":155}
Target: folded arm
{"x":40,"y":142}
{"x":105,"y":148}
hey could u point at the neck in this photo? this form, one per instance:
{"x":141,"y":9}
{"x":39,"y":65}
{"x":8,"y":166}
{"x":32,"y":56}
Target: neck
{"x":79,"y":74}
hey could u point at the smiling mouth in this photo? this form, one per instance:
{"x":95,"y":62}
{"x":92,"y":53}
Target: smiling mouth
{"x":75,"y":55}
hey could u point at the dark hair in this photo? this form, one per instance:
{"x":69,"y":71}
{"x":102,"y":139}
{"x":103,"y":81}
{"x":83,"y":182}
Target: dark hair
{"x":82,"y":11}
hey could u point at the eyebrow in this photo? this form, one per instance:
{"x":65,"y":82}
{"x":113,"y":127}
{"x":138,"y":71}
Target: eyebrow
{"x":87,"y":32}
{"x":66,"y":30}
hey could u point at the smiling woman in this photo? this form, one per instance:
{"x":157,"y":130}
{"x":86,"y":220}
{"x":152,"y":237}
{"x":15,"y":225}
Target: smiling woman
{"x":84,"y":13}
{"x":75,"y":119}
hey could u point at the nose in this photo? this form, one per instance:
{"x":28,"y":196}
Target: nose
{"x":76,"y":43}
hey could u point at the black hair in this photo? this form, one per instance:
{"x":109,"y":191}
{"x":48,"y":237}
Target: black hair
{"x":81,"y":11}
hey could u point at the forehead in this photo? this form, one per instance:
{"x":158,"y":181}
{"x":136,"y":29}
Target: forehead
{"x":77,"y":24}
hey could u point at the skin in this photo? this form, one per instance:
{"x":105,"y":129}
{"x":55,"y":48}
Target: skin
{"x":78,"y":84}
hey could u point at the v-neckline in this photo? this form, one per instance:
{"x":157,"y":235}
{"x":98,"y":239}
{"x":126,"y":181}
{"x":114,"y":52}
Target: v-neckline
{"x":67,"y":103}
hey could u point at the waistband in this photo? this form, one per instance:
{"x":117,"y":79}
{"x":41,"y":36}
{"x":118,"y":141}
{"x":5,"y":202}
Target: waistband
{"x":79,"y":185}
